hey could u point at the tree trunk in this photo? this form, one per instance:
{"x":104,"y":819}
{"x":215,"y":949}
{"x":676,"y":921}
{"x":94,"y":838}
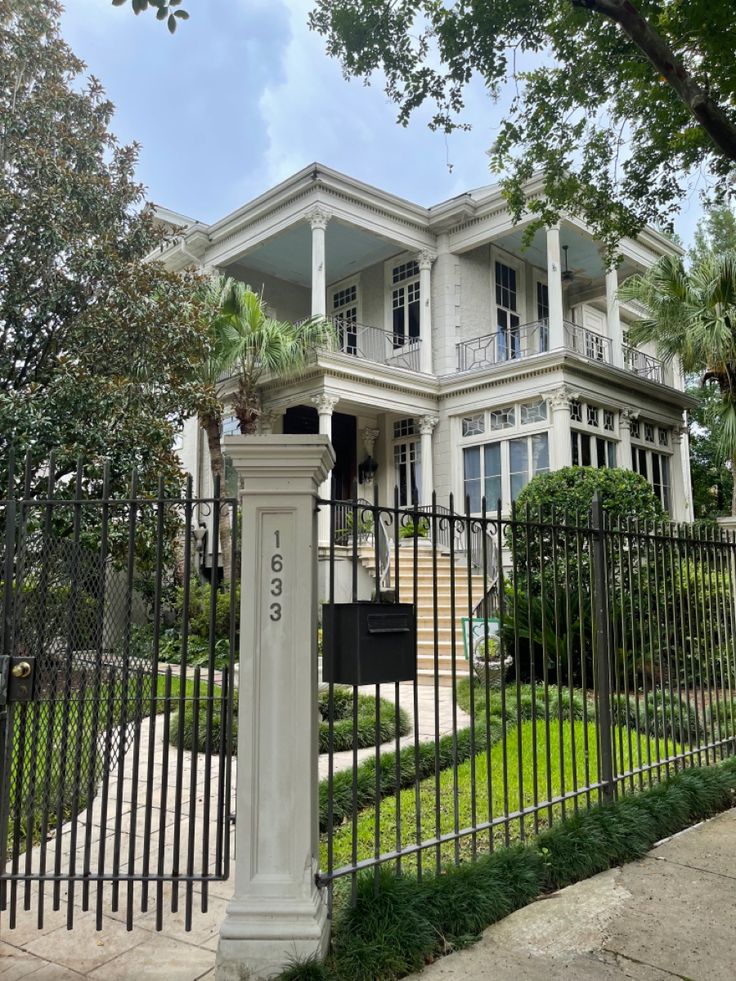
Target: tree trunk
{"x":247,"y":408}
{"x":213,"y":428}
{"x":706,"y":111}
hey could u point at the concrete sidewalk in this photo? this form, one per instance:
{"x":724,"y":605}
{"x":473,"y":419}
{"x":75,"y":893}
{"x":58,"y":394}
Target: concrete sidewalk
{"x":671,"y":915}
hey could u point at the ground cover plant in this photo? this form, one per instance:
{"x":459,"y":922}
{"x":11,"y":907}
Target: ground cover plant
{"x":474,"y":792}
{"x":343,"y":727}
{"x":399,"y":923}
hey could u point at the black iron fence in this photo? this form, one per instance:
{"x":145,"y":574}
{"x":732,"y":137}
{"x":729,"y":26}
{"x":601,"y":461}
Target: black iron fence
{"x":565,"y":660}
{"x":116,"y":697}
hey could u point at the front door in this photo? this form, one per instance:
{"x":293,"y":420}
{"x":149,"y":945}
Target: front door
{"x":304,"y":419}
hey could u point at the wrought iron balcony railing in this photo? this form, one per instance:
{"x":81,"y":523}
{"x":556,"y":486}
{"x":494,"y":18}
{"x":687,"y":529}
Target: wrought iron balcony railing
{"x":643,"y":364}
{"x":519,"y":342}
{"x":588,"y":343}
{"x":379,"y":346}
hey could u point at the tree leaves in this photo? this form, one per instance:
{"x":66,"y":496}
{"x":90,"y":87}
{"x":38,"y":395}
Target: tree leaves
{"x":164,"y":10}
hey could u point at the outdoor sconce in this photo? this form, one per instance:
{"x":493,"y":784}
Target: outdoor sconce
{"x":199,"y":534}
{"x":367,"y":470}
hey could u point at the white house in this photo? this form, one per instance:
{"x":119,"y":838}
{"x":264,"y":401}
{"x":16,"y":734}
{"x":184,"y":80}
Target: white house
{"x":466,"y":363}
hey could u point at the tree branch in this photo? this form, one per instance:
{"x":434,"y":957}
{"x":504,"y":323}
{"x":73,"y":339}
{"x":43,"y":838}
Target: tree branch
{"x":716,"y":123}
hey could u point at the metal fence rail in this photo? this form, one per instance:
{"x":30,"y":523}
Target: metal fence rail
{"x":104,"y":746}
{"x":605,"y":662}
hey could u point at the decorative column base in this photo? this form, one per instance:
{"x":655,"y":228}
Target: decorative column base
{"x":254,"y":938}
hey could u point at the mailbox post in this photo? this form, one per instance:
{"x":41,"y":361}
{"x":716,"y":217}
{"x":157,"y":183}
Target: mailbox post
{"x":277,"y":910}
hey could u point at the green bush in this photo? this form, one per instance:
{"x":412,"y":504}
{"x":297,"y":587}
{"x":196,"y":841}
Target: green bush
{"x":199,"y":608}
{"x":216,"y":732}
{"x":343,"y":726}
{"x":399,"y":923}
{"x":198,"y":650}
{"x":658,"y":715}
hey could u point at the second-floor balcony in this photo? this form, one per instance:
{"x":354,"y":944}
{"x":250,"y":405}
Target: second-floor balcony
{"x":379,"y":346}
{"x":532,"y":339}
{"x":528,"y":340}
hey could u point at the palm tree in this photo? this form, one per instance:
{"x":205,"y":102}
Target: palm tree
{"x":691,"y":315}
{"x":209,"y":376}
{"x":260,"y":345}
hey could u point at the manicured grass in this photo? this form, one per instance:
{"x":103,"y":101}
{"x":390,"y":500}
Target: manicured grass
{"x":399,"y":923}
{"x":557,"y":772}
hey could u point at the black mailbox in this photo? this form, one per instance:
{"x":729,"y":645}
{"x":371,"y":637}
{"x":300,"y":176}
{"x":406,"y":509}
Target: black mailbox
{"x":368,"y":643}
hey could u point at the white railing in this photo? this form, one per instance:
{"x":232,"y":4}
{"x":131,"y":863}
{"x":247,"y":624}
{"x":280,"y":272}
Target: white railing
{"x":643,"y":364}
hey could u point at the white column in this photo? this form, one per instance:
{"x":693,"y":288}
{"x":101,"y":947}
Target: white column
{"x":318,"y":219}
{"x":560,"y":448}
{"x":425,"y":260}
{"x":277,"y":912}
{"x":624,"y":458}
{"x":426,"y":428}
{"x":554,"y":288}
{"x":270,"y":421}
{"x":682,"y":506}
{"x":613,"y":317}
{"x":325,"y":403}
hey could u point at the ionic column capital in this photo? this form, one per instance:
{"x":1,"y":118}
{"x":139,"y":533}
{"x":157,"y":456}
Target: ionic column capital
{"x":318,"y":217}
{"x":560,"y":398}
{"x":424,"y":259}
{"x":427,"y":424}
{"x":370,"y":436}
{"x":325,"y":403}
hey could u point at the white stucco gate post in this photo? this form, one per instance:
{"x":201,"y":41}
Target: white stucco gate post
{"x":277,"y":911}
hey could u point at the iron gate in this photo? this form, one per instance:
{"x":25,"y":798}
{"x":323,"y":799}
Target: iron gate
{"x":116,"y":698}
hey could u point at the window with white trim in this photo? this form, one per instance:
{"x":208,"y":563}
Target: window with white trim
{"x":499,"y":471}
{"x":407,"y":455}
{"x":503,"y":418}
{"x":589,"y":450}
{"x":654,"y":466}
{"x":507,"y":315}
{"x":533,"y":412}
{"x":405,"y":302}
{"x":345,"y":314}
{"x":474,"y":425}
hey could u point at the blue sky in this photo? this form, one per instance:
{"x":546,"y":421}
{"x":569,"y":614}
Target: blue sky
{"x":243,"y":95}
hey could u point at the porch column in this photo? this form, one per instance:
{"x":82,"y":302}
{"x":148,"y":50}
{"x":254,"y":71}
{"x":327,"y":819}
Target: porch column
{"x":277,"y":911}
{"x":681,"y":506}
{"x":318,"y":218}
{"x":625,"y":458}
{"x":426,"y":428}
{"x":554,"y":288}
{"x":425,"y":260}
{"x":560,"y":448}
{"x":325,"y":403}
{"x":614,"y":319}
{"x":271,"y":422}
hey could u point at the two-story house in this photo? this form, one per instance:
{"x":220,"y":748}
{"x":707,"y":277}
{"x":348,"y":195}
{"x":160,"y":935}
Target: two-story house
{"x":465,"y":363}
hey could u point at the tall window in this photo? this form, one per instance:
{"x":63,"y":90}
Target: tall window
{"x":507,"y":317}
{"x":345,"y":313}
{"x":406,"y":461}
{"x":405,"y":301}
{"x":512,"y":463}
{"x":543,"y":315}
{"x":589,"y":450}
{"x":655,"y":468}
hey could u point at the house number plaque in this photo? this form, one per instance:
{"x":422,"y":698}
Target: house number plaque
{"x":276,"y":587}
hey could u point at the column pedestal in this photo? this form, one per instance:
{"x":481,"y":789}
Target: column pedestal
{"x":277,"y":910}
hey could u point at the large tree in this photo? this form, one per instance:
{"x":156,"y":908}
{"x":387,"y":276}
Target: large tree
{"x":97,"y":340}
{"x":615,"y":102}
{"x":691,"y":316}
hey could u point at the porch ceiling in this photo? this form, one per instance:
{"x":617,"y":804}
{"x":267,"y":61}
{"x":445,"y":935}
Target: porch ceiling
{"x":289,"y":255}
{"x":584,"y":259}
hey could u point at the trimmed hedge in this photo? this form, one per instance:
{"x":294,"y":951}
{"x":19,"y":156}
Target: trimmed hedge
{"x":406,"y":922}
{"x":342,"y":714}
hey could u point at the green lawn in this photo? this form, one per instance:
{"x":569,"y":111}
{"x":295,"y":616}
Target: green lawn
{"x":57,"y":746}
{"x":518,"y":739}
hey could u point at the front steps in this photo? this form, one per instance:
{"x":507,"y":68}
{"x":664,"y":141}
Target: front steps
{"x":439,"y":620}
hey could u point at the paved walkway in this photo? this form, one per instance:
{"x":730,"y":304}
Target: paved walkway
{"x":670,"y":916}
{"x":57,"y":954}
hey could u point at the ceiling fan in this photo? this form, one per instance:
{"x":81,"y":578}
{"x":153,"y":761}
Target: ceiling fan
{"x":577,"y":276}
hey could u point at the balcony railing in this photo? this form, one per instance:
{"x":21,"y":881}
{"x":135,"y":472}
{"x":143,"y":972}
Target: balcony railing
{"x":519,"y":342}
{"x":643,"y":364}
{"x":588,"y":343}
{"x":379,"y":346}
